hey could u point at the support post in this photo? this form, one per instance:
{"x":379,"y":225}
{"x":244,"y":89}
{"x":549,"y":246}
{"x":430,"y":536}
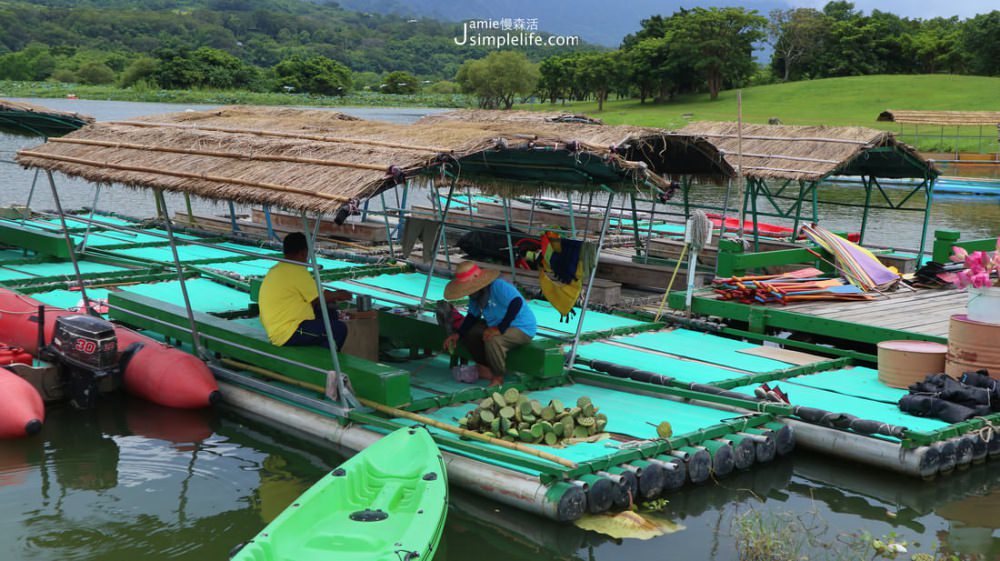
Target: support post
{"x":510,"y":239}
{"x":311,"y":246}
{"x":232,"y":218}
{"x":268,"y":224}
{"x":437,"y":242}
{"x":93,"y":207}
{"x":929,"y":189}
{"x":388,"y":230}
{"x":31,"y":193}
{"x":635,"y":226}
{"x":69,"y":240}
{"x":195,"y":337}
{"x":590,"y":281}
{"x":187,"y":205}
{"x":866,"y":181}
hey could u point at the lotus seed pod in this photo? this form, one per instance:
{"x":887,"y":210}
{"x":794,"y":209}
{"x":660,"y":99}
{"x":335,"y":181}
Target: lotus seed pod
{"x":536,"y":408}
{"x":507,"y":412}
{"x":498,"y":399}
{"x":487,"y":416}
{"x":664,"y":430}
{"x":486,"y":403}
{"x":548,"y":413}
{"x":511,"y":396}
{"x":582,"y":400}
{"x":550,"y":439}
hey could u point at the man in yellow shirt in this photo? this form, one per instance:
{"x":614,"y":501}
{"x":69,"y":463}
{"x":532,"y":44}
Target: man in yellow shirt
{"x":290,"y":304}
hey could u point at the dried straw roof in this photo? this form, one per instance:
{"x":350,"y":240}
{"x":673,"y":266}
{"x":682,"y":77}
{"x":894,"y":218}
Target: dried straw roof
{"x":665,"y":152}
{"x":812,"y":153}
{"x":953,"y":118}
{"x":27,"y":118}
{"x":317,"y":160}
{"x":496,"y":116}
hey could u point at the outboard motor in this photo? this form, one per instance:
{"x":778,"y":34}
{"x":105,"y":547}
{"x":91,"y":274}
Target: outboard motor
{"x":86,"y":348}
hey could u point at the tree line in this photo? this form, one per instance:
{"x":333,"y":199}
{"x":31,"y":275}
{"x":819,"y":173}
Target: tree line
{"x":260,"y":45}
{"x":711,"y":49}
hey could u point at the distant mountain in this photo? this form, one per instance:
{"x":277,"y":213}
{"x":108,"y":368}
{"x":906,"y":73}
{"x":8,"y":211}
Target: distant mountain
{"x":595,"y":21}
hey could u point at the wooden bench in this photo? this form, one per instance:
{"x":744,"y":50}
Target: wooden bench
{"x":541,"y":358}
{"x":40,"y":241}
{"x":249,"y":343}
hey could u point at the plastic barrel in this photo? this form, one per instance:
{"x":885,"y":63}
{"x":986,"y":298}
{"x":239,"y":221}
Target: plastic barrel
{"x":699,"y":463}
{"x":972,"y":345}
{"x":674,"y":472}
{"x":764,"y":440}
{"x":651,"y":478}
{"x":946,"y":451}
{"x":722,"y":457}
{"x":784,"y":438}
{"x":901,"y":363}
{"x":601,"y":493}
{"x":744,"y":451}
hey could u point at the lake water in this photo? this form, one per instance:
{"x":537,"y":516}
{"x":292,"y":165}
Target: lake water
{"x":135,"y":481}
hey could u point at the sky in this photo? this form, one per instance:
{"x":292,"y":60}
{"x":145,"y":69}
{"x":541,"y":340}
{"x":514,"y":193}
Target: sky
{"x":913,"y":8}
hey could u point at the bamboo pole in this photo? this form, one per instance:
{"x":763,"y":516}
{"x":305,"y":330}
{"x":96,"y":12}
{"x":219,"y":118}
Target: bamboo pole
{"x":218,"y":154}
{"x":186,"y":175}
{"x":472,"y":435}
{"x":298,"y":136}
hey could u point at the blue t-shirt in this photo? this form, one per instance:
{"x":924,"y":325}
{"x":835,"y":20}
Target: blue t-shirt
{"x":501,"y":295}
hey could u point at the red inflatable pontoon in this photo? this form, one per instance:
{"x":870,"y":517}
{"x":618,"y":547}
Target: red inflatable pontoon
{"x":22,"y":411}
{"x":156,"y":372}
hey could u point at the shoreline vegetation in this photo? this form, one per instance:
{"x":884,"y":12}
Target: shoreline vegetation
{"x":59,"y":90}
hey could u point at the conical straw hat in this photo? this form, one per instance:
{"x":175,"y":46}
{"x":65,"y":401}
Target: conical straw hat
{"x":469,"y":278}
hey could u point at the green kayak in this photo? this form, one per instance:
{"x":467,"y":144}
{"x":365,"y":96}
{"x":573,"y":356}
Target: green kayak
{"x":387,"y":503}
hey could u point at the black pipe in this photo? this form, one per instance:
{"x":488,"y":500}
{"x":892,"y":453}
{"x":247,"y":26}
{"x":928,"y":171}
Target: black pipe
{"x":41,"y":327}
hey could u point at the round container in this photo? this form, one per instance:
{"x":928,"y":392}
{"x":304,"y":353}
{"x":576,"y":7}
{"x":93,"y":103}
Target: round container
{"x":972,"y":345}
{"x":901,"y":363}
{"x":984,"y":304}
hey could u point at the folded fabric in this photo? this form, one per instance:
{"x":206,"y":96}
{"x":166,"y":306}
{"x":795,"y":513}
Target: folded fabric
{"x":930,"y":406}
{"x":427,"y":231}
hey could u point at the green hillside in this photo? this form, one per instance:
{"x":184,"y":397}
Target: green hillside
{"x":853,"y":100}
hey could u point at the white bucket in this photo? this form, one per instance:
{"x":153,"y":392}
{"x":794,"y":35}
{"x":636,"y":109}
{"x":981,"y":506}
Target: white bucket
{"x":984,"y":304}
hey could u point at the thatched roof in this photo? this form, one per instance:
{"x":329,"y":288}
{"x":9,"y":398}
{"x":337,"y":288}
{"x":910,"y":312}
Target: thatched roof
{"x":495,"y":116}
{"x":812,"y":153}
{"x":952,"y":118}
{"x":665,"y":152}
{"x":316,"y":160}
{"x":18,"y":117}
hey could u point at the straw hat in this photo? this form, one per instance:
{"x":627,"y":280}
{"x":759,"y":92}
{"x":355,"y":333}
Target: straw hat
{"x":469,"y":278}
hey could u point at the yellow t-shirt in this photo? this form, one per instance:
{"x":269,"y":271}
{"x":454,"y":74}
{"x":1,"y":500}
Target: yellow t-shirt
{"x":285,"y":300}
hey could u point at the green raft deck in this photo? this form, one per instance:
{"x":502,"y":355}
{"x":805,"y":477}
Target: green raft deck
{"x":638,"y":372}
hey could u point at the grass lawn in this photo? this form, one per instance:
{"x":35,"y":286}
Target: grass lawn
{"x":855,"y":100}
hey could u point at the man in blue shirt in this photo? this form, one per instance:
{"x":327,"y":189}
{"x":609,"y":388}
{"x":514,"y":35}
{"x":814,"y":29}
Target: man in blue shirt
{"x":498,"y":319}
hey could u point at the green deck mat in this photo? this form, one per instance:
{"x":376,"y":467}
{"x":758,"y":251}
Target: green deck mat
{"x":65,"y":269}
{"x":627,"y":414}
{"x":78,"y":223}
{"x":260,"y":267}
{"x":683,"y":370}
{"x":111,"y":238}
{"x":248,"y":248}
{"x":12,"y":275}
{"x":857,"y":382}
{"x":15,"y":255}
{"x":411,"y":284}
{"x":860,"y":407}
{"x":206,"y":295}
{"x":69,"y":299}
{"x":187,"y":253}
{"x":380,"y":298}
{"x":705,"y":347}
{"x":594,"y":322}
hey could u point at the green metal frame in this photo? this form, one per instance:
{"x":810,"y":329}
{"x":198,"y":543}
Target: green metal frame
{"x":761,"y":318}
{"x":945,"y":240}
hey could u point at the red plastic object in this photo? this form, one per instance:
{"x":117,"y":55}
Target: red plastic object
{"x":157,"y":372}
{"x":22,"y":410}
{"x":11,"y":355}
